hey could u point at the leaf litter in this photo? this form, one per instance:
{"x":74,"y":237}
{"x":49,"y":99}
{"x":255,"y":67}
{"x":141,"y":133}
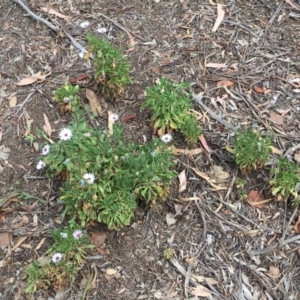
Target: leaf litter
{"x":249,"y":82}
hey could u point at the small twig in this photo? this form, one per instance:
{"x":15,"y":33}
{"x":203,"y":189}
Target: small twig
{"x":289,"y":223}
{"x":187,"y":280}
{"x":198,"y":99}
{"x":203,"y":220}
{"x":245,"y":218}
{"x":20,"y":106}
{"x":50,"y":25}
{"x":274,"y":246}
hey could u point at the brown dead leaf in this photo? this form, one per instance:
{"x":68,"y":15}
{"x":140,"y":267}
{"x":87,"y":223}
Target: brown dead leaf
{"x":182,"y":181}
{"x":98,"y":238}
{"x":204,"y":144}
{"x":130,"y":117}
{"x":215,"y":65}
{"x":177,"y":151}
{"x":258,"y":89}
{"x":273,"y":273}
{"x":297,"y":225}
{"x":297,"y":157}
{"x":276,"y":118}
{"x":201,"y":291}
{"x":218,"y":173}
{"x":256,"y":199}
{"x":13,"y":101}
{"x":4,"y":152}
{"x":5,"y":239}
{"x":131,"y":41}
{"x":19,"y":242}
{"x":220,"y":17}
{"x":111,"y":272}
{"x":54,"y":12}
{"x":93,"y":100}
{"x":276,"y":150}
{"x":47,"y":126}
{"x":38,"y":78}
{"x":225,"y":82}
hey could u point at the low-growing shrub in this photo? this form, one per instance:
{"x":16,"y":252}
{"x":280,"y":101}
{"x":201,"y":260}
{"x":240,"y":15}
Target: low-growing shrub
{"x":251,"y":151}
{"x":170,"y":107}
{"x":104,"y":175}
{"x":112,"y":69}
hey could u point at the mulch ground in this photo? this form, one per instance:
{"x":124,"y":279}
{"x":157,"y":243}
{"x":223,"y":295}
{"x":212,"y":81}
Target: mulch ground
{"x":234,"y":249}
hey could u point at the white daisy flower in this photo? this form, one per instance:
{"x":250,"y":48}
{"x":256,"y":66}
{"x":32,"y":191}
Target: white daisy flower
{"x":77,"y":234}
{"x":166,"y":138}
{"x":84,"y":24}
{"x":66,"y":100}
{"x":101,"y":29}
{"x":64,"y":235}
{"x":114,"y":117}
{"x":45,"y":150}
{"x":66,"y":161}
{"x":65,"y":134}
{"x":89,"y":177}
{"x":56,"y":257}
{"x":40,"y":165}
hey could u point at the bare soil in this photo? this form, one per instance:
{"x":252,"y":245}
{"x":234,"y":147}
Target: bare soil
{"x":241,"y":251}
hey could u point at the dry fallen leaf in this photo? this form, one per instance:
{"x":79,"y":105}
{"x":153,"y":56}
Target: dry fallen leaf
{"x":297,"y":157}
{"x":219,"y":173}
{"x":47,"y":127}
{"x":258,"y":89}
{"x":273,"y":273}
{"x":204,"y":144}
{"x":215,"y":65}
{"x":170,"y":219}
{"x":110,"y":272}
{"x":225,"y":82}
{"x":256,"y":199}
{"x":276,"y":118}
{"x":98,"y":238}
{"x":182,"y":181}
{"x":13,"y":101}
{"x":177,"y":151}
{"x":201,"y":291}
{"x":297,"y":225}
{"x":54,"y":12}
{"x":4,"y":152}
{"x":93,"y":100}
{"x":275,"y":150}
{"x":131,"y":41}
{"x":5,"y":239}
{"x":220,"y":17}
{"x":201,"y":279}
{"x":38,"y":77}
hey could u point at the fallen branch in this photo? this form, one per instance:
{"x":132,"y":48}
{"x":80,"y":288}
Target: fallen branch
{"x":50,"y":25}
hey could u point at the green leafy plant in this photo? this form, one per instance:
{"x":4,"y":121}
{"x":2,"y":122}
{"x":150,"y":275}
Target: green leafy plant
{"x":251,"y":152}
{"x":112,"y":69}
{"x":104,"y":175}
{"x":286,"y":176}
{"x":62,"y":261}
{"x":170,"y":107}
{"x":67,"y":98}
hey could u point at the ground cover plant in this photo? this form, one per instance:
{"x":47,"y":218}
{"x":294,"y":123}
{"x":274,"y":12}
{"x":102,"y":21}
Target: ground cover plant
{"x":58,"y":268}
{"x":251,"y":151}
{"x":170,"y":106}
{"x":246,"y":75}
{"x":286,"y":177}
{"x":112,"y":69}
